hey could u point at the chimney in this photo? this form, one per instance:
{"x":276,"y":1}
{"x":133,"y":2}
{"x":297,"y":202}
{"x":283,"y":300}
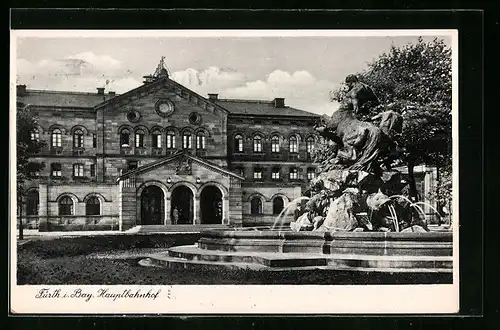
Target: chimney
{"x":112,"y":94}
{"x":100,"y":90}
{"x":21,"y":90}
{"x":213,"y":97}
{"x":279,"y":102}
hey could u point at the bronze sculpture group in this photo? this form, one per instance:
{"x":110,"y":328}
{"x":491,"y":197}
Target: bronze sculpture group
{"x":357,"y":189}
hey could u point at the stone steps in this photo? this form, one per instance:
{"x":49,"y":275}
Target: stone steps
{"x":190,"y":256}
{"x":154,"y":229}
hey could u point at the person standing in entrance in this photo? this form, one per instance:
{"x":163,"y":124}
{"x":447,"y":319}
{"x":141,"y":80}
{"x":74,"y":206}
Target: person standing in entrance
{"x":175,"y":216}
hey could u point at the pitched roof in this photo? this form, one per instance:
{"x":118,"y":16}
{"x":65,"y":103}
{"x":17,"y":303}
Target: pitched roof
{"x":259,"y":107}
{"x":160,"y":162}
{"x":62,"y":98}
{"x":91,"y":100}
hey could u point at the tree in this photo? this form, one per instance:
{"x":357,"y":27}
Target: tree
{"x":27,"y":145}
{"x":416,"y":79}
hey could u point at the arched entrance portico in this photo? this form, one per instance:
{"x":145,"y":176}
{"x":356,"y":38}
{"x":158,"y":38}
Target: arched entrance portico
{"x":182,"y":206}
{"x":211,"y":205}
{"x":152,"y":206}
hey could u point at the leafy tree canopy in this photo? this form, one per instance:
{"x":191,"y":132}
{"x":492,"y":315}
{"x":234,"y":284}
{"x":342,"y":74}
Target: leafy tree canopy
{"x":416,"y":80}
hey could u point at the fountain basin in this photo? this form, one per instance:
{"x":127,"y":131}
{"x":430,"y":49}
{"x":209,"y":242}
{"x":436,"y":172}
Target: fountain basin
{"x":419,"y":254}
{"x":366,"y":243}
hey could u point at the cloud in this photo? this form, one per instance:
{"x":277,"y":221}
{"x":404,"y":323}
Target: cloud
{"x":210,"y":80}
{"x":80,"y":72}
{"x":87,"y":71}
{"x":300,"y":89}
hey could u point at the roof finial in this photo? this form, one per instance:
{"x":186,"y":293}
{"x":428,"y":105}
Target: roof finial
{"x":160,"y":72}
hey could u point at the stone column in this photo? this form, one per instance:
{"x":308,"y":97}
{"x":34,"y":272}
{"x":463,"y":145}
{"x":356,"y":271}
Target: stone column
{"x":225,"y":211}
{"x":168,"y":201}
{"x":128,"y":213}
{"x":235,"y":212}
{"x":42,"y":207}
{"x":196,"y":211}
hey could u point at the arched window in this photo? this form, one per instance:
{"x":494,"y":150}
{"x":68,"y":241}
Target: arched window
{"x":156,"y":139}
{"x":78,"y":138}
{"x":257,"y":144}
{"x":125,"y":138}
{"x":294,"y":144}
{"x":57,"y":138}
{"x":170,"y":140}
{"x":275,"y":144}
{"x":35,"y":135}
{"x":238,"y":143}
{"x":200,"y":141}
{"x":187,"y":140}
{"x":256,"y":206}
{"x":278,"y":205}
{"x":32,"y":202}
{"x":310,"y":145}
{"x":139,"y":139}
{"x":66,"y":206}
{"x":93,"y":206}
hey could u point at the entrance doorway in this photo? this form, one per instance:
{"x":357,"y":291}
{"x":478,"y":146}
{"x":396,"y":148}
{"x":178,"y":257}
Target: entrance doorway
{"x":211,"y":205}
{"x":152,"y":206}
{"x":181,"y":211}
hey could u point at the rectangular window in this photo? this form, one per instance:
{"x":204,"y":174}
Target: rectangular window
{"x":275,"y":146}
{"x":78,"y":140}
{"x":156,"y":141}
{"x":186,"y":141}
{"x":94,"y":140}
{"x":240,"y":145}
{"x":257,"y":145}
{"x":57,"y":138}
{"x":257,"y":174}
{"x":275,"y":175}
{"x":92,"y":170}
{"x":294,"y":147}
{"x":55,"y":170}
{"x":170,"y":141}
{"x":35,"y":135}
{"x":78,"y":170}
{"x":125,"y":139}
{"x":139,"y":140}
{"x":200,"y":142}
{"x":311,"y":173}
{"x":294,"y":174}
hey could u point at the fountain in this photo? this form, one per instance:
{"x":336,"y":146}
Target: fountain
{"x":356,"y":218}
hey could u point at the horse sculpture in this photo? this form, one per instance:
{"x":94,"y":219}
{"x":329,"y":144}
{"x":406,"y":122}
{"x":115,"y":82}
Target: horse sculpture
{"x":360,"y":143}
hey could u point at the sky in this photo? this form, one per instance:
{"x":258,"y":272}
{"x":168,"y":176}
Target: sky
{"x":303,"y":70}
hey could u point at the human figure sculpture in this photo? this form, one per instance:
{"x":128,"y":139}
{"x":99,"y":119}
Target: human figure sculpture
{"x":359,"y":96}
{"x":361,"y":144}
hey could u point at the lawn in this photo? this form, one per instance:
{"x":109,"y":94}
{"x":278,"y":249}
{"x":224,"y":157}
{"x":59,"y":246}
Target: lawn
{"x":114,"y":259}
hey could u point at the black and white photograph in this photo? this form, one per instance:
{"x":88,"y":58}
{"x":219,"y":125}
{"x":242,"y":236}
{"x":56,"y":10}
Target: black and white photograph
{"x":234,"y":169}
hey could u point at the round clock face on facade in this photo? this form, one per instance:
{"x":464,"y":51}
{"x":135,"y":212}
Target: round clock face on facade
{"x":164,"y":108}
